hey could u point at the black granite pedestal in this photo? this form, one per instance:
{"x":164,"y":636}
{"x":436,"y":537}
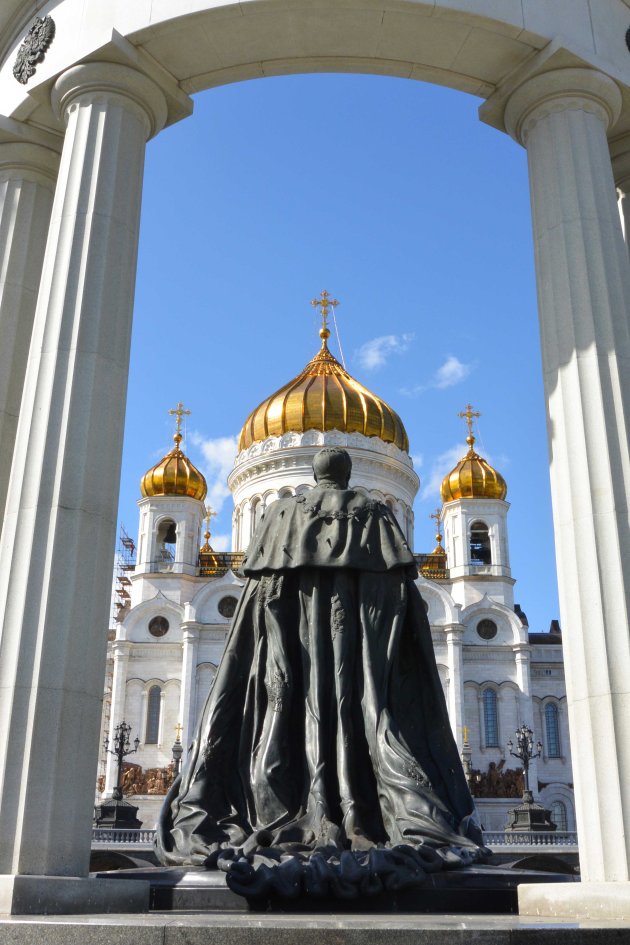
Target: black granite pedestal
{"x":475,"y":890}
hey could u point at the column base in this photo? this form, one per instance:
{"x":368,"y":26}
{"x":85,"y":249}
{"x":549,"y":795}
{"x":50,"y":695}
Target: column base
{"x":70,"y":895}
{"x":575,"y":900}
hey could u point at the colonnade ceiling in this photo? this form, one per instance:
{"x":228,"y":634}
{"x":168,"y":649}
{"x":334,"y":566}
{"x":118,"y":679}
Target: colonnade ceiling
{"x":471,"y":45}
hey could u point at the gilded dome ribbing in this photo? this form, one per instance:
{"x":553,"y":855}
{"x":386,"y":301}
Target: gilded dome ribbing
{"x":324,"y":397}
{"x":473,"y":478}
{"x":174,"y":475}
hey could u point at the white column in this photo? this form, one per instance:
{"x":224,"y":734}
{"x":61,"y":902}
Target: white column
{"x":121,"y":651}
{"x":454,"y":650}
{"x":27,"y":182}
{"x":620,"y":155}
{"x":584,"y":299}
{"x":522,"y":656}
{"x":58,"y":539}
{"x":188,"y":694}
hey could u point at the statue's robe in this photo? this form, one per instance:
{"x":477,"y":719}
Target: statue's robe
{"x":326,"y":728}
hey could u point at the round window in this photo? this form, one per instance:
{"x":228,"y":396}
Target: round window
{"x":227,"y":606}
{"x":158,"y":626}
{"x":487,"y":629}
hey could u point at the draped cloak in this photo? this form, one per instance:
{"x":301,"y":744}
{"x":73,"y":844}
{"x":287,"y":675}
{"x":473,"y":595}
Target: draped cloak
{"x":324,"y":761}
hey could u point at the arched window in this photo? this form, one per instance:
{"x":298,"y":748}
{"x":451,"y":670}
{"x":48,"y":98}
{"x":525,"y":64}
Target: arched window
{"x":490,"y":719}
{"x":552,"y":730}
{"x":153,"y":715}
{"x":480,"y":544}
{"x":559,"y":815}
{"x":166,"y":542}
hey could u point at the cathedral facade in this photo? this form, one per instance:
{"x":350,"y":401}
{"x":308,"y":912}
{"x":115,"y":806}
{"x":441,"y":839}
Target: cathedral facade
{"x":175,"y":594}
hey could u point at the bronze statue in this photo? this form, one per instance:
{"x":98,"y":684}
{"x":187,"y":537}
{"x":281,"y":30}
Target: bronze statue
{"x":324,"y":762}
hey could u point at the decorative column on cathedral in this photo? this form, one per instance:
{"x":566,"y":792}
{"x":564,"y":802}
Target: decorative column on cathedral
{"x":583,"y":277}
{"x":454,"y":650}
{"x":121,"y":651}
{"x":58,"y":539}
{"x":28,"y":172}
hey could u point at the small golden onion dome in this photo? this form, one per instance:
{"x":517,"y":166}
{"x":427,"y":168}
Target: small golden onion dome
{"x":174,"y":475}
{"x":473,"y":478}
{"x":324,"y":397}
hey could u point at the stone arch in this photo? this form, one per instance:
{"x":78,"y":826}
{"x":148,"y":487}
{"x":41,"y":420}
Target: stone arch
{"x":459,"y":43}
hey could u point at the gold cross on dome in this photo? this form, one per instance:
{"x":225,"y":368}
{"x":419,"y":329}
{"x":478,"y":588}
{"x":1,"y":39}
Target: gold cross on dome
{"x":325,"y":303}
{"x":469,"y":413}
{"x":179,"y":728}
{"x":210,"y":513}
{"x":436,"y":516}
{"x":179,"y":412}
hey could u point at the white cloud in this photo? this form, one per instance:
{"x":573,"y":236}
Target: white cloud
{"x":375,"y":353}
{"x":221,"y":542}
{"x":452,"y":372}
{"x":219,"y":457}
{"x":441,"y":466}
{"x":417,"y":459}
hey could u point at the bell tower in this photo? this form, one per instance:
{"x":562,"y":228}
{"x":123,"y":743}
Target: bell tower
{"x":171,"y":511}
{"x":474,"y":518}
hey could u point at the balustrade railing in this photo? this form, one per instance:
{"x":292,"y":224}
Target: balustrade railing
{"x":534,"y":838}
{"x":110,"y":835}
{"x":492,"y":838}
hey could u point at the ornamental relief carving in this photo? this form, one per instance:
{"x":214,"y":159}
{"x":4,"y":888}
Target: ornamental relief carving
{"x":327,"y":438}
{"x":33,"y":49}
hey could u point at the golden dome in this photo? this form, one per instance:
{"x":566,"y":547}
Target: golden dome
{"x":174,"y":475}
{"x":473,"y":478}
{"x":324,"y":397}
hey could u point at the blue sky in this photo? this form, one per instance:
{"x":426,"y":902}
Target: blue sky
{"x":394,"y":197}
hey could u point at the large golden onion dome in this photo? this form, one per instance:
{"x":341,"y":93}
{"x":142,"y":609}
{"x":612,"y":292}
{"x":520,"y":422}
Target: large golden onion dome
{"x":174,"y":474}
{"x":324,"y":397}
{"x":473,"y":477}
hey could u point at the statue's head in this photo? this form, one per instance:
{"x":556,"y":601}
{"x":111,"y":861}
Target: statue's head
{"x":333,"y":466}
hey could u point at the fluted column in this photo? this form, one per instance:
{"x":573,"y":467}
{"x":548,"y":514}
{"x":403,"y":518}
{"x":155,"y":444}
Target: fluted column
{"x":454,"y":650}
{"x":27,"y":182}
{"x":58,"y":540}
{"x":620,"y":155}
{"x":121,"y":653}
{"x":188,"y":695}
{"x":584,"y":298}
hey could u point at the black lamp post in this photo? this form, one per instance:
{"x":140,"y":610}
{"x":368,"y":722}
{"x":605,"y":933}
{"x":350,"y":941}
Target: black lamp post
{"x":120,"y":751}
{"x":177,"y":751}
{"x":529,"y":815}
{"x":525,"y":752}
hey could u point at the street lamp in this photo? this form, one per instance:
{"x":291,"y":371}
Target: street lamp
{"x":528,"y":816}
{"x":120,"y":751}
{"x":177,"y":751}
{"x":525,"y":751}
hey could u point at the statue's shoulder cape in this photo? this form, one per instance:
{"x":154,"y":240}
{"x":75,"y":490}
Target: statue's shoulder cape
{"x":328,"y":528}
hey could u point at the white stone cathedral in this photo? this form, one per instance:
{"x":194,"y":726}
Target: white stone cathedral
{"x":175,"y":599}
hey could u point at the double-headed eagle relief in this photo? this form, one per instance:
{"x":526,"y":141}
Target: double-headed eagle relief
{"x":33,"y":49}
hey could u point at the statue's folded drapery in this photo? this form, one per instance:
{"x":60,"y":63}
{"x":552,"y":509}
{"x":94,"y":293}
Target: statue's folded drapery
{"x":324,"y":760}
